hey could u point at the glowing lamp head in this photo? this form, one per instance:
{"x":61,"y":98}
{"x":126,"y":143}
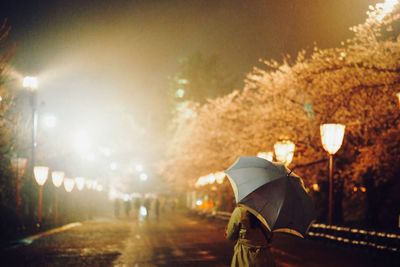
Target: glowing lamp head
{"x":30,"y":82}
{"x":143,"y":176}
{"x":284,"y":151}
{"x":219,"y":177}
{"x":69,"y":184}
{"x":80,"y":183}
{"x":266,"y":155}
{"x":41,"y":174}
{"x":332,"y":137}
{"x":57,"y":178}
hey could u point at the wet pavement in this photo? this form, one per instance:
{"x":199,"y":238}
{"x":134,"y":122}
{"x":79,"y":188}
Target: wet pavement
{"x":174,"y":240}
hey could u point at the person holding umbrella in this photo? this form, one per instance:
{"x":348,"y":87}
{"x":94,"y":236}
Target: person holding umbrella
{"x":270,"y":198}
{"x":252,"y":240}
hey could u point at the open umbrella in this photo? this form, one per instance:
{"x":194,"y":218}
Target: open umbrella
{"x":273,"y":193}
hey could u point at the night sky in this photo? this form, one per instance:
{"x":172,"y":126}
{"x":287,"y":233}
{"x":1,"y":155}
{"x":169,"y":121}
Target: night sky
{"x":104,"y":64}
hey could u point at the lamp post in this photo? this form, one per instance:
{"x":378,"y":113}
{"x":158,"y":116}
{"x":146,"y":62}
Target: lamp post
{"x":57,"y":178}
{"x":332,"y":138}
{"x":266,"y":155}
{"x":40,"y":173}
{"x":31,"y":84}
{"x":284,"y":151}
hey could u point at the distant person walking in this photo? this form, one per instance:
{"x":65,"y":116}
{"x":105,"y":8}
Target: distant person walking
{"x":252,"y":240}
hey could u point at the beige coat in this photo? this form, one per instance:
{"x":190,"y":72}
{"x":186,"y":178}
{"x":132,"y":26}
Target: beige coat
{"x":252,"y":248}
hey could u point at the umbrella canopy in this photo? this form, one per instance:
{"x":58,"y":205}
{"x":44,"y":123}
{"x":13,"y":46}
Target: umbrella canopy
{"x":273,"y":193}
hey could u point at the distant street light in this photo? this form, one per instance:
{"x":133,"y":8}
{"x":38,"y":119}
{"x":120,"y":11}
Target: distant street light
{"x":41,"y":173}
{"x":80,"y":183}
{"x":284,"y":151}
{"x":69,"y":184}
{"x":266,"y":155}
{"x":31,"y":83}
{"x":113,"y":166}
{"x":332,"y":138}
{"x":139,"y":167}
{"x":143,"y":176}
{"x":57,"y":178}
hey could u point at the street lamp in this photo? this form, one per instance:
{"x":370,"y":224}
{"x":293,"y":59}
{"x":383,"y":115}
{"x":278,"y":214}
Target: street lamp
{"x":57,"y":178}
{"x":40,"y":173}
{"x":69,"y":184}
{"x":266,"y":155}
{"x":332,"y":138}
{"x":31,"y":83}
{"x":284,"y":151}
{"x":80,"y":183}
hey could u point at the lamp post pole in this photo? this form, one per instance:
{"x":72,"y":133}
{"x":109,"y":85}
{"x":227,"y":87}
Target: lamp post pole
{"x":31,"y":84}
{"x":330,"y":208}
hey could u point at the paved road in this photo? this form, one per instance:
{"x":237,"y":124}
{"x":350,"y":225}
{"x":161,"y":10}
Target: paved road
{"x":174,"y":240}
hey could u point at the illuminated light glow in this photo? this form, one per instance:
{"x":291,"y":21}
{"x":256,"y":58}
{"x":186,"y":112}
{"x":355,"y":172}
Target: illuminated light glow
{"x":219,"y":177}
{"x":80,"y":183}
{"x":143,"y":211}
{"x":89,"y":184}
{"x":199,"y":202}
{"x":139,"y":167}
{"x":143,"y":176}
{"x":126,"y":197}
{"x":69,"y":184}
{"x":385,"y":8}
{"x":211,"y":178}
{"x":99,"y":188}
{"x":332,"y":136}
{"x":363,"y":189}
{"x":50,"y":121}
{"x":315,"y":187}
{"x":57,"y":178}
{"x":284,"y":151}
{"x":113,"y":194}
{"x":355,"y":189}
{"x":183,"y":81}
{"x":113,"y":166}
{"x":41,"y":173}
{"x":30,"y":82}
{"x":398,"y":97}
{"x":266,"y":155}
{"x":180,"y":93}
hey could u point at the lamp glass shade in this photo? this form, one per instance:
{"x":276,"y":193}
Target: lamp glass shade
{"x":41,"y":173}
{"x":219,"y":177}
{"x":30,"y":82}
{"x":57,"y":178}
{"x":266,"y":155}
{"x":69,"y":184}
{"x":332,"y":136}
{"x":284,"y":151}
{"x":80,"y":183}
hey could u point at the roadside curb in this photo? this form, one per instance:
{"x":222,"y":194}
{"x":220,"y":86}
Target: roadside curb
{"x":30,"y":239}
